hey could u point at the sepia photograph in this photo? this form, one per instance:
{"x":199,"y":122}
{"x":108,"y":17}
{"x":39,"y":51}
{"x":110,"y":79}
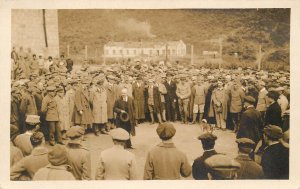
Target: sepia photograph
{"x":166,"y":94}
{"x":149,"y":94}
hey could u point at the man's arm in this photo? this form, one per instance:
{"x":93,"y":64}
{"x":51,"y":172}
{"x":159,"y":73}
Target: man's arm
{"x":149,"y":170}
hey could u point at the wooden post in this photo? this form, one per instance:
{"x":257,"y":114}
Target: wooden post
{"x":68,"y":50}
{"x":192,"y":54}
{"x":96,"y":52}
{"x":259,"y":57}
{"x":86,"y":51}
{"x":166,"y":52}
{"x":104,"y":60}
{"x":221,"y":52}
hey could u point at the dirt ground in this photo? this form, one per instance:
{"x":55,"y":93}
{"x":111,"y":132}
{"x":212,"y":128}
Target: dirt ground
{"x":146,"y":138}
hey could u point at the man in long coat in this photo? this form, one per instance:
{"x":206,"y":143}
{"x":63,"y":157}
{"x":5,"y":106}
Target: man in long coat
{"x":273,"y":113}
{"x":138,"y":92}
{"x":112,"y":92}
{"x":170,"y":98}
{"x":83,"y":112}
{"x":251,"y":122}
{"x":98,"y":99}
{"x":122,"y":106}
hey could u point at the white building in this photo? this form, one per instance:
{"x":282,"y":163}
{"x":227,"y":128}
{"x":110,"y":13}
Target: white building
{"x":146,"y":49}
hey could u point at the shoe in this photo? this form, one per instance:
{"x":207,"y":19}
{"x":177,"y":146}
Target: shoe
{"x":60,"y":143}
{"x":104,"y":132}
{"x":52,"y":143}
{"x":96,"y":133}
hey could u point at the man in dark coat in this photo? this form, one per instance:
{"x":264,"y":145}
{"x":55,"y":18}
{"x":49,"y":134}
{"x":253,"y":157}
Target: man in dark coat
{"x":275,"y":158}
{"x":273,"y":113}
{"x":199,"y":170}
{"x":124,"y":105}
{"x":249,"y":168}
{"x":251,"y":121}
{"x":83,"y":112}
{"x":138,"y":93}
{"x":170,"y":98}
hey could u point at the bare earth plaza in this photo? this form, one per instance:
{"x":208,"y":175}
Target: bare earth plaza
{"x":141,"y":94}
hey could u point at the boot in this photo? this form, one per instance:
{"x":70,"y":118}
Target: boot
{"x":107,"y":127}
{"x":152,"y":118}
{"x":95,"y":129}
{"x":194,"y":118}
{"x":159,"y":118}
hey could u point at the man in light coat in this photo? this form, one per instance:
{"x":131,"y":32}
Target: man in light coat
{"x":116,"y":163}
{"x":79,"y":157}
{"x":183,"y":93}
{"x":165,"y":161}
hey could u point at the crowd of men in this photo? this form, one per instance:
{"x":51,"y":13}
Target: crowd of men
{"x":52,"y":102}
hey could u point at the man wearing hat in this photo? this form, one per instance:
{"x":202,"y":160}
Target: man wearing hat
{"x":22,"y":141}
{"x":138,"y":93}
{"x":15,"y":153}
{"x":262,"y":101}
{"x":154,"y":101}
{"x":70,"y":96}
{"x":170,"y":98}
{"x":221,"y":167}
{"x":50,"y":109}
{"x":116,"y":163}
{"x":58,"y":169}
{"x":249,"y":168}
{"x":28,"y":103}
{"x":198,"y":92}
{"x":282,"y":100}
{"x":199,"y":169}
{"x":29,"y":165}
{"x":83,"y":112}
{"x":183,"y":92}
{"x":15,"y":99}
{"x":275,"y":157}
{"x":111,"y":90}
{"x":165,"y":161}
{"x":124,"y":107}
{"x":251,"y":124}
{"x":273,"y":112}
{"x":79,"y":157}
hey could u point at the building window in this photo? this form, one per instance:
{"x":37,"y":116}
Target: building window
{"x":114,"y":52}
{"x":163,"y":51}
{"x":127,"y":51}
{"x":173,"y":52}
{"x":134,"y":52}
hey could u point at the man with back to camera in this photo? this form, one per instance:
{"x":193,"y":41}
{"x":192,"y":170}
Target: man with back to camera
{"x":199,"y":169}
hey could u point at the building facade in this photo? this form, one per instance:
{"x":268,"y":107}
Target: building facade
{"x":144,"y":49}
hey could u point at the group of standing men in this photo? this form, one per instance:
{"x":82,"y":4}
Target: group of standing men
{"x":100,"y":99}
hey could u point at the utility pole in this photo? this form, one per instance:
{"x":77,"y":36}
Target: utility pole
{"x":86,"y":51}
{"x":166,"y":52}
{"x":192,"y":54}
{"x":259,"y":58}
{"x":221,"y":51}
{"x":68,"y":50}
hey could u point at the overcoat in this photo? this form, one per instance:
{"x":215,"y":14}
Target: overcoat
{"x":82,"y":103}
{"x":138,"y":93}
{"x":63,"y":112}
{"x":112,"y":93}
{"x":99,"y":103}
{"x":51,"y":172}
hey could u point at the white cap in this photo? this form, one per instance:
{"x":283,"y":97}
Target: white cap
{"x":119,"y":134}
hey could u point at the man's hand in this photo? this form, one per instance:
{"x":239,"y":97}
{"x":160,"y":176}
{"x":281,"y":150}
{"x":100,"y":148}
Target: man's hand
{"x":122,"y":111}
{"x":80,"y":112}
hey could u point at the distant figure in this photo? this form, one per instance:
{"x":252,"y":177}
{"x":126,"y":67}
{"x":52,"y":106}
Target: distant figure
{"x":116,"y":163}
{"x":200,"y":171}
{"x":165,"y":161}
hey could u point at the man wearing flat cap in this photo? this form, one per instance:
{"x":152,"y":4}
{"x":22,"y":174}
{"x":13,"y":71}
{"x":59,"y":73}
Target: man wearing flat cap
{"x":82,"y":111}
{"x":275,"y":157}
{"x":199,"y":169}
{"x":249,"y":168}
{"x":262,"y":100}
{"x":183,"y":92}
{"x":15,"y":153}
{"x":222,"y":167}
{"x":79,"y":157}
{"x":50,"y":109}
{"x":22,"y":141}
{"x":116,"y":163}
{"x":170,"y":98}
{"x":138,"y":92}
{"x":165,"y":161}
{"x":282,"y":100}
{"x":273,"y":112}
{"x":29,"y":165}
{"x":58,"y":169}
{"x":251,"y":124}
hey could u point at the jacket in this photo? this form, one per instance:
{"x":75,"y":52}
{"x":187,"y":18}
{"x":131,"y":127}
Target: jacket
{"x":166,"y":162}
{"x":49,"y":107}
{"x":116,"y":163}
{"x":249,"y":168}
{"x":30,"y":164}
{"x":199,"y":169}
{"x":51,"y":172}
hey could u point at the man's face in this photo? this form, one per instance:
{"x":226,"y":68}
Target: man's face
{"x":169,"y":78}
{"x":34,"y":57}
{"x":51,"y":93}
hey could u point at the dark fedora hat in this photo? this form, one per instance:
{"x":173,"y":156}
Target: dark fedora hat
{"x":124,"y":116}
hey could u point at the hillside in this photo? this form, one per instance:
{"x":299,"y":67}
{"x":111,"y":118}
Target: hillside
{"x":243,"y":30}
